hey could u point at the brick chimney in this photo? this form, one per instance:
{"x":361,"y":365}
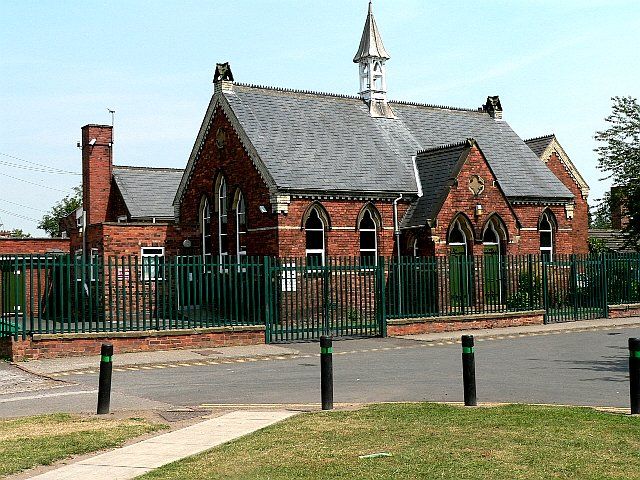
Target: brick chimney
{"x":96,"y":171}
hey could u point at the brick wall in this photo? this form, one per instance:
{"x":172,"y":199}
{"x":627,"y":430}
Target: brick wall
{"x":235,"y":164}
{"x":343,"y":237}
{"x":461,"y":200}
{"x":467,"y":322}
{"x":33,"y":246}
{"x":580,"y":222}
{"x":529,"y":216}
{"x":70,"y":345}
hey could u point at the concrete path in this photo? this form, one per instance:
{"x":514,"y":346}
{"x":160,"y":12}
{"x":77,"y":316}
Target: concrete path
{"x":139,"y":458}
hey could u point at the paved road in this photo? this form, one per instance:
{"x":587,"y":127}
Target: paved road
{"x":579,"y":368}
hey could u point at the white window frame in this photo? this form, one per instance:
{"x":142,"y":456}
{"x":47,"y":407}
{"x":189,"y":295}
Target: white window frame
{"x":375,"y":233}
{"x":544,"y":250}
{"x":223,"y":214}
{"x":415,"y":248}
{"x":312,"y":251}
{"x":241,"y":212}
{"x":91,"y":258}
{"x":458,"y":225}
{"x":148,"y":267}
{"x":205,"y":217}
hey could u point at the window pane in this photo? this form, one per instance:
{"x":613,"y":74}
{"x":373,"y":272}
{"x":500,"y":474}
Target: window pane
{"x":367,"y":258}
{"x":224,"y":243}
{"x":490,"y":236}
{"x":367,"y":240}
{"x":315,"y":239}
{"x":314,"y":221}
{"x":545,"y":224}
{"x":456,"y":235}
{"x":314,"y":259}
{"x":367,"y":221}
{"x":545,"y":239}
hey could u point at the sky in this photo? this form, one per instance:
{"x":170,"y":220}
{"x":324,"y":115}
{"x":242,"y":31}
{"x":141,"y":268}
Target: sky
{"x":555,"y":64}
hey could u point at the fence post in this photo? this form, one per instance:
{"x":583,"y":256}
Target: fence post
{"x":268,"y":301}
{"x":545,"y":289}
{"x":382,"y":298}
{"x":531,"y":286}
{"x":605,"y":285}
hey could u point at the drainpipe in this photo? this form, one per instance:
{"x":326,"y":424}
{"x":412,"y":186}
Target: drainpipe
{"x":396,"y":228}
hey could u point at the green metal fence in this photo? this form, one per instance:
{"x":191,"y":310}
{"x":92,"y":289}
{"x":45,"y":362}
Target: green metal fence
{"x":300,"y":299}
{"x":343,"y":297}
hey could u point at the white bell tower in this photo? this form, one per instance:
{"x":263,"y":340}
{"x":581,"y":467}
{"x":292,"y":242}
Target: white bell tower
{"x":371,"y":57}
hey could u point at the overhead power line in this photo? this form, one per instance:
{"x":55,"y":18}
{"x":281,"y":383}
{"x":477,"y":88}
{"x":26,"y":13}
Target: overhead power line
{"x":24,"y":217}
{"x":36,"y":184}
{"x":23,"y":206}
{"x":40,"y":166}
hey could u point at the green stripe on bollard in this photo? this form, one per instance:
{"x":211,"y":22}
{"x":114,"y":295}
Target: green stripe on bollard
{"x":105,"y":358}
{"x":468,"y":349}
{"x":635,"y":354}
{"x":324,"y":350}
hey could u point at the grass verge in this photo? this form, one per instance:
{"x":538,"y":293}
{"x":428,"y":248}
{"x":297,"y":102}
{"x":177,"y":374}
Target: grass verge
{"x":41,"y":440}
{"x":429,"y":441}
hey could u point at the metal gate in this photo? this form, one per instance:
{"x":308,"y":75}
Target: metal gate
{"x":574,"y":288}
{"x":342,"y":296}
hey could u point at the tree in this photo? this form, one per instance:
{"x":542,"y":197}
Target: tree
{"x":18,"y":233}
{"x":50,"y":222}
{"x":619,"y":158}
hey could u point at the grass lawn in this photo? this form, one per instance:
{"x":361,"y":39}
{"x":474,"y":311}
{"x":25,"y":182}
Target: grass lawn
{"x":44,"y":439}
{"x":429,"y":441}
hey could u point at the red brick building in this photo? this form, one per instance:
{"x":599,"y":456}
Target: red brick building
{"x":294,"y":173}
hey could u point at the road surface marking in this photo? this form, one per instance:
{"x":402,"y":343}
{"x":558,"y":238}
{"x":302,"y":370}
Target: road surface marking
{"x":48,"y":395}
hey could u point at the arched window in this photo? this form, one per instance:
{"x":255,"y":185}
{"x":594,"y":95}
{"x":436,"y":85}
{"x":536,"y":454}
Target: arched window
{"x":546,"y":230}
{"x":414,"y":246}
{"x":458,"y":239}
{"x":205,"y":229}
{"x":241,"y":226}
{"x":377,"y":76}
{"x":368,"y":239}
{"x":223,"y":221}
{"x":315,"y":243}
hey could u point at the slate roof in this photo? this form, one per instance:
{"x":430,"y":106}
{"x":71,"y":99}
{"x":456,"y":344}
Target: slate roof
{"x":438,"y":169}
{"x":322,"y":142}
{"x":539,"y":144}
{"x":148,"y":192}
{"x":614,"y":240}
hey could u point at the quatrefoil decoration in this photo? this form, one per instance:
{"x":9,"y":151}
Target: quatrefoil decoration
{"x":476,"y":185}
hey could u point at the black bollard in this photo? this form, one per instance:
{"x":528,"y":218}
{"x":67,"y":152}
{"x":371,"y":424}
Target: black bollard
{"x":469,"y":371}
{"x":326,"y":372}
{"x":634,"y":375}
{"x":104,"y":387}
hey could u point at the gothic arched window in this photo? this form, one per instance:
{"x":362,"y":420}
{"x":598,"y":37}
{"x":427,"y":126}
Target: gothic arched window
{"x":223,"y":221}
{"x":241,"y":226}
{"x":314,"y":235}
{"x":368,"y":239}
{"x":205,"y":228}
{"x":546,"y":228}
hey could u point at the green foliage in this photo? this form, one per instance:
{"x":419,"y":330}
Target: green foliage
{"x":597,"y":245}
{"x":619,"y":158}
{"x":50,"y":222}
{"x":18,"y":233}
{"x":528,"y":294}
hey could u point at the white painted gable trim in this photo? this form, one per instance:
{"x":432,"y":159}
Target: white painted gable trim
{"x":554,"y":146}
